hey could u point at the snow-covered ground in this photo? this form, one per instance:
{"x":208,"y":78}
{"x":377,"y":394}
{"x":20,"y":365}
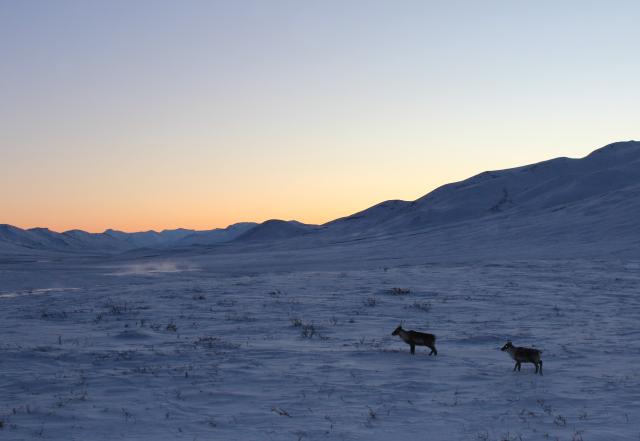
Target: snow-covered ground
{"x":282,"y":331}
{"x":158,"y":350}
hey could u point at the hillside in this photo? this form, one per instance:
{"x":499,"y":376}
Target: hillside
{"x":522,"y":191}
{"x":578,"y":201}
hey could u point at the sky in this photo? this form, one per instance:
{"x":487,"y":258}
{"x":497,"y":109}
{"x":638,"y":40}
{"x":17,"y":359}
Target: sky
{"x":199,"y":114}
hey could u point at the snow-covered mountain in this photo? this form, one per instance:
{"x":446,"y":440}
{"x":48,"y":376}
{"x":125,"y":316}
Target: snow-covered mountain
{"x":14,"y":239}
{"x":596,"y":198}
{"x":546,"y":255}
{"x":522,"y":191}
{"x":219,"y":235}
{"x":276,"y":229}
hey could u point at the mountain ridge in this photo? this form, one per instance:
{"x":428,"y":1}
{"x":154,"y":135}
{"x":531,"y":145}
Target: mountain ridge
{"x":522,"y":191}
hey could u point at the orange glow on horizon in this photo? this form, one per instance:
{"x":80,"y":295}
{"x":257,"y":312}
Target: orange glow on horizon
{"x":203,"y":115}
{"x":190,"y":202}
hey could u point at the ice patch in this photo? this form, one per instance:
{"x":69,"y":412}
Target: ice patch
{"x":141,"y":269}
{"x":632,"y":266}
{"x":33,"y":292}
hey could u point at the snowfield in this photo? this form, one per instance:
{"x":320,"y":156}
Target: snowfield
{"x":159,"y":350}
{"x":282,"y":331}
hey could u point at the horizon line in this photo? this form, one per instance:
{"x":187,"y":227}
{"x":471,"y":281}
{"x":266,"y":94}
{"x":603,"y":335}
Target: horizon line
{"x":258,"y":222}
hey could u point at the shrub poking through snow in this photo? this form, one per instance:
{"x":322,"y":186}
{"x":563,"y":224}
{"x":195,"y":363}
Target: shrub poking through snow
{"x":210,"y":342}
{"x":422,"y":306}
{"x":308,"y":330}
{"x":371,"y":301}
{"x":280,"y":411}
{"x":117,"y":308}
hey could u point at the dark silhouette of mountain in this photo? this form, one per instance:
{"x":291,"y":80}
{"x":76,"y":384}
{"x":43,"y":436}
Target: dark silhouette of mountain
{"x":276,"y":229}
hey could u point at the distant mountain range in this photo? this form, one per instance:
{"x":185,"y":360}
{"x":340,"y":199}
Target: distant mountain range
{"x":112,"y":241}
{"x":590,"y":199}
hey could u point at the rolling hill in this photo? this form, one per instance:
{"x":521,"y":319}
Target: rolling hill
{"x":595,"y":199}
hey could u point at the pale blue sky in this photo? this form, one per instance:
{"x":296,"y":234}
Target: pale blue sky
{"x":159,"y":114}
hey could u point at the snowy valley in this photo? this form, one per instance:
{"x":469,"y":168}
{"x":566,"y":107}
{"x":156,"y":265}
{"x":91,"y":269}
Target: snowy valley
{"x":282,"y":331}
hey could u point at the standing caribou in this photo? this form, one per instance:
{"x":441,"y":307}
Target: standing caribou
{"x":415,"y":338}
{"x":521,"y":354}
